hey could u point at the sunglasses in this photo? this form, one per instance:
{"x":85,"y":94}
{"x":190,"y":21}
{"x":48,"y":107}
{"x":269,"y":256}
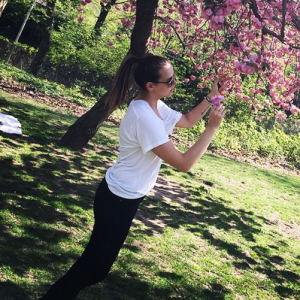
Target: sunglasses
{"x":170,"y":83}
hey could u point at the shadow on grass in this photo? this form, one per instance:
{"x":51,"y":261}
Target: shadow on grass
{"x":46,"y":196}
{"x":129,"y":286}
{"x":199,"y":211}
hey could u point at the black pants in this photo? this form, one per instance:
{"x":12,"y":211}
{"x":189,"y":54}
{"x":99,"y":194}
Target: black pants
{"x":113,"y":218}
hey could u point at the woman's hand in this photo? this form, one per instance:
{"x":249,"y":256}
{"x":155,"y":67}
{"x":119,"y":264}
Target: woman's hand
{"x":219,"y":86}
{"x":216,"y":116}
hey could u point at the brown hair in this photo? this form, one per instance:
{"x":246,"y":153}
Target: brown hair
{"x":145,"y":69}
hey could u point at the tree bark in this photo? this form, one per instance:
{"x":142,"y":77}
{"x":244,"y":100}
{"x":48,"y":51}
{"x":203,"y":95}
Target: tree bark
{"x":2,"y":6}
{"x":46,"y":39}
{"x":102,"y":16}
{"x":79,"y":134}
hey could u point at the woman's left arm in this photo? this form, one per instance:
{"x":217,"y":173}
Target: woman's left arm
{"x":193,"y":116}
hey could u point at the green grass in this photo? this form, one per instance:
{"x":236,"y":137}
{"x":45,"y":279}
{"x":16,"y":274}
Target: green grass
{"x":189,"y":235}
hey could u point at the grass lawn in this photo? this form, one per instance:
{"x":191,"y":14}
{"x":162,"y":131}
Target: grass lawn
{"x":189,"y":237}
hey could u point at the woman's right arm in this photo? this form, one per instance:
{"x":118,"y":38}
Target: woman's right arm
{"x":184,"y":161}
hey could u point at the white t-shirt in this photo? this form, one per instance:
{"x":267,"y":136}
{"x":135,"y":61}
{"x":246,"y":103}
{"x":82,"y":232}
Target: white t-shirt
{"x":136,"y":169}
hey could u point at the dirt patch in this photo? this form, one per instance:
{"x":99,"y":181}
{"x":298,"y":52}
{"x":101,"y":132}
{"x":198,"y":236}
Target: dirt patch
{"x":288,"y":229}
{"x":26,"y":91}
{"x":169,"y":191}
{"x":172,"y":194}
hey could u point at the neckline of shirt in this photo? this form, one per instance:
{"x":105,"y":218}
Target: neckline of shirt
{"x":148,"y":105}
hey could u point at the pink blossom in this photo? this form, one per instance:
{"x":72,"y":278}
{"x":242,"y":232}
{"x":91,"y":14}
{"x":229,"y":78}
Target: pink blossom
{"x":206,"y":13}
{"x":186,"y":80}
{"x":218,"y":19}
{"x":290,"y":34}
{"x":80,"y":9}
{"x":118,"y":37}
{"x":250,"y":35}
{"x":196,"y":22}
{"x":197,"y":68}
{"x":216,"y":22}
{"x":267,"y":103}
{"x":117,"y":7}
{"x":192,"y":77}
{"x":83,"y":3}
{"x":246,"y":253}
{"x":243,"y":68}
{"x":126,"y":7}
{"x":285,"y":106}
{"x":259,"y":107}
{"x":80,"y":19}
{"x":110,"y":43}
{"x":88,"y":1}
{"x":255,"y":58}
{"x":126,"y":23}
{"x":234,"y":4}
{"x":216,"y":100}
{"x":281,"y":115}
{"x":294,"y":109}
{"x":150,"y":43}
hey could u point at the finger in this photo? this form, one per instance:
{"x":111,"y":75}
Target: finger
{"x":222,"y":82}
{"x":221,"y":109}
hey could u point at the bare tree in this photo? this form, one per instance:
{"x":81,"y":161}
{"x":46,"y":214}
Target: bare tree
{"x":79,"y":134}
{"x":46,"y":38}
{"x":105,"y":9}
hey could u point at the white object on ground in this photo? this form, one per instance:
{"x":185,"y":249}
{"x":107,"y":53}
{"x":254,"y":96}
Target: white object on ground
{"x":10,"y":124}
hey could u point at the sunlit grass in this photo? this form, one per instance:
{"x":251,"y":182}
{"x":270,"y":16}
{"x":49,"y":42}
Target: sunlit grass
{"x":188,"y":240}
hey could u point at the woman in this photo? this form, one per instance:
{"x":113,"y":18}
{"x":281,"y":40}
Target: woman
{"x":144,"y":143}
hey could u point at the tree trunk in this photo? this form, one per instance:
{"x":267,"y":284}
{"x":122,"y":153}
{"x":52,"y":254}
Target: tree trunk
{"x":102,"y":16}
{"x":2,"y":6}
{"x":79,"y":134}
{"x":46,"y":39}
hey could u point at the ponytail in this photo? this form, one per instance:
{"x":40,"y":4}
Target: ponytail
{"x":119,"y":91}
{"x":146,"y":69}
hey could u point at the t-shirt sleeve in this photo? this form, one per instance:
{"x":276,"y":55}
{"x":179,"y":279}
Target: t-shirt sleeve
{"x":170,"y":116}
{"x":150,"y":133}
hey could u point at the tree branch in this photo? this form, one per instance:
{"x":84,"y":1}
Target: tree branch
{"x":265,"y":30}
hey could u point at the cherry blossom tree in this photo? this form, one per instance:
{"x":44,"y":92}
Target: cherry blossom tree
{"x":252,"y":37}
{"x":245,"y":38}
